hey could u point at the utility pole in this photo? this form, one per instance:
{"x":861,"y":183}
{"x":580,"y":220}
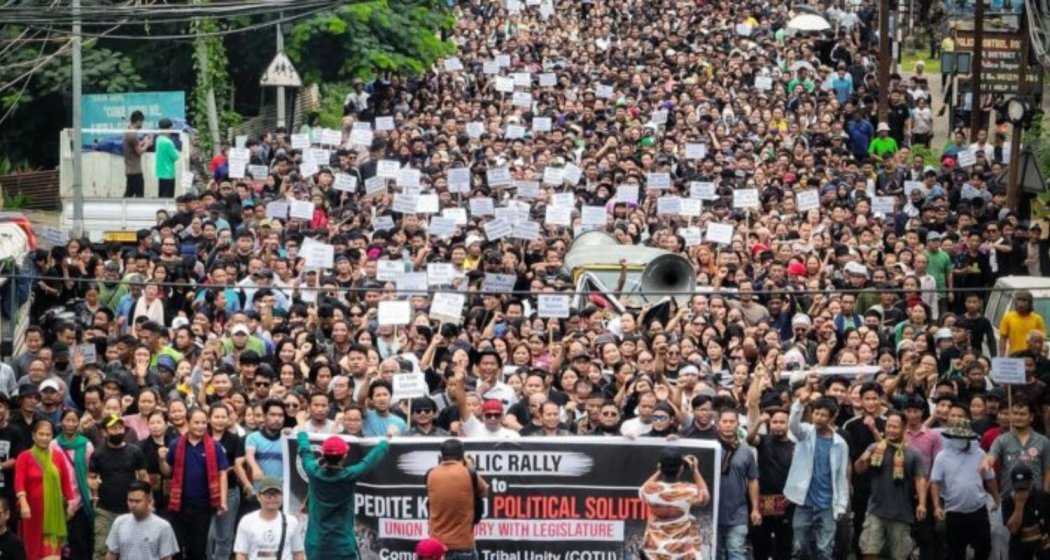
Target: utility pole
{"x":78,"y":141}
{"x":205,"y":78}
{"x":280,"y":89}
{"x":975,"y":80}
{"x":884,"y":59}
{"x":1013,"y":185}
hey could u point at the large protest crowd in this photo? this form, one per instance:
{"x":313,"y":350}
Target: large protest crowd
{"x":260,"y":307}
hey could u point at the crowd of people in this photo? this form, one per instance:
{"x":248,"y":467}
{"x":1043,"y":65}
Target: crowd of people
{"x":146,"y":421}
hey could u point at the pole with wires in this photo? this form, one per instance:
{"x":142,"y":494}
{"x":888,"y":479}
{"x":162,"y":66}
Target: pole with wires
{"x":78,"y":141}
{"x":280,"y":89}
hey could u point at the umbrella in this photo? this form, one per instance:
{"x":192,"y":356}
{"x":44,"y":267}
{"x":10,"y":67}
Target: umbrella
{"x":808,"y":22}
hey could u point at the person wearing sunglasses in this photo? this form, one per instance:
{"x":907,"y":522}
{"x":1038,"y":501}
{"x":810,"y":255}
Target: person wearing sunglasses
{"x":422,"y":423}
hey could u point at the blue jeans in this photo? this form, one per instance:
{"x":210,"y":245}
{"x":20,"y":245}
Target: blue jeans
{"x":814,"y":532}
{"x":732,"y":542}
{"x":224,"y":527}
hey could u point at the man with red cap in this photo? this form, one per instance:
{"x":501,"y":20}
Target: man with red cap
{"x":330,"y":498}
{"x":491,"y":412}
{"x":430,"y":549}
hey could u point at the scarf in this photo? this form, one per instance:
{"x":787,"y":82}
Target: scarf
{"x":211,"y":465}
{"x":728,"y":449}
{"x":54,"y":524}
{"x":898,"y":457}
{"x":78,"y":444}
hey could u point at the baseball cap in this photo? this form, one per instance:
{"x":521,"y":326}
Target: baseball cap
{"x":689,"y":370}
{"x":51,"y":384}
{"x":269,"y":484}
{"x":492,"y":405}
{"x":239,"y":328}
{"x":430,"y":548}
{"x":334,"y":446}
{"x":165,"y":361}
{"x":943,"y":334}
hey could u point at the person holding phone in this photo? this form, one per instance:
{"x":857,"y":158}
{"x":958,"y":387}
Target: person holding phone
{"x":453,"y":490}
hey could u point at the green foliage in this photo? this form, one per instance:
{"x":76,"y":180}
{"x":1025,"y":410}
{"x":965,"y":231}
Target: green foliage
{"x":214,"y":74}
{"x":15,"y":202}
{"x":364,"y":39}
{"x":330,"y":113}
{"x":1038,"y":137}
{"x":928,"y":156}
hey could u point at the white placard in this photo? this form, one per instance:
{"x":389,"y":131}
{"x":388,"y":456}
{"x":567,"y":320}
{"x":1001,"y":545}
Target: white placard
{"x":565,"y":199}
{"x":331,"y":137}
{"x":409,"y":386}
{"x":910,"y":186}
{"x":498,"y":283}
{"x":394,"y":313}
{"x":527,"y":230}
{"x":490,"y":67}
{"x":408,"y":177}
{"x":405,"y":203}
{"x":745,"y":198}
{"x":504,"y":84}
{"x":572,"y":174}
{"x":374,"y":186}
{"x":482,"y":206}
{"x":459,"y":180}
{"x":558,"y":216}
{"x":627,"y":193}
{"x":521,"y":99}
{"x":497,"y":229}
{"x":240,"y":141}
{"x":383,"y":223}
{"x":447,"y":307}
{"x":514,"y":132}
{"x":388,"y":168}
{"x":411,"y":282}
{"x":668,"y":206}
{"x":541,"y":124}
{"x":388,"y":270}
{"x":442,"y":227}
{"x":690,"y":207}
{"x":503,"y":60}
{"x":695,"y":151}
{"x":498,"y":177}
{"x":428,"y":204}
{"x":808,"y":200}
{"x":440,"y":274}
{"x":384,"y":123}
{"x":277,"y":209}
{"x":553,"y":175}
{"x":763,"y":83}
{"x":345,"y":182}
{"x":593,"y":216}
{"x":552,"y":306}
{"x":522,"y":79}
{"x":702,"y":190}
{"x":659,"y":117}
{"x":548,"y":79}
{"x":719,"y":233}
{"x":453,"y":64}
{"x":743,"y":29}
{"x":258,"y":172}
{"x":475,"y":129}
{"x":691,"y":235}
{"x":528,"y":189}
{"x":1008,"y":371}
{"x":301,"y":209}
{"x":318,"y":255}
{"x":659,"y":181}
{"x":967,"y":158}
{"x":883,"y":205}
{"x":361,"y":137}
{"x":300,"y":141}
{"x":458,"y":215}
{"x":604,"y":91}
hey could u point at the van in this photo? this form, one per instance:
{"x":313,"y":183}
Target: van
{"x":1001,"y":299}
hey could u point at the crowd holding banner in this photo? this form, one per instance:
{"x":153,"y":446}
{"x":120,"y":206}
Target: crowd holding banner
{"x":403,"y":277}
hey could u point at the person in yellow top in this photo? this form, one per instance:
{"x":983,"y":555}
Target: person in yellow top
{"x":1017,"y":323}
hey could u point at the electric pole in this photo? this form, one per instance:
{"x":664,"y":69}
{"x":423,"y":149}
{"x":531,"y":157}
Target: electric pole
{"x":280,"y":89}
{"x":201,"y":49}
{"x":78,"y":141}
{"x":975,"y":80}
{"x":1013,"y":185}
{"x":884,"y":59}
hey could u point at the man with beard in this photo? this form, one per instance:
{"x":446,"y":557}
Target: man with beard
{"x":895,"y":469}
{"x":957,"y":477}
{"x":773,"y":538}
{"x":738,"y":489}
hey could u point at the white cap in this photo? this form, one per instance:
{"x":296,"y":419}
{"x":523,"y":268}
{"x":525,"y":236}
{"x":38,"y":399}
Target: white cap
{"x":801,"y":320}
{"x":51,"y":384}
{"x":240,"y":328}
{"x":853,"y":267}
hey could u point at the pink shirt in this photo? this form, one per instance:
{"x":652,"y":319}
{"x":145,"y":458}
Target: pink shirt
{"x":927,"y":443}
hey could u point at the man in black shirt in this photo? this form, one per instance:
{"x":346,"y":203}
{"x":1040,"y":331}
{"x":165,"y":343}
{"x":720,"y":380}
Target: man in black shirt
{"x":703,"y":424}
{"x":111,"y":470}
{"x":772,"y":539}
{"x":861,"y":431}
{"x":13,"y":440}
{"x":979,"y":327}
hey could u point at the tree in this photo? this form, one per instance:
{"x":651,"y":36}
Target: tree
{"x":362,"y":40}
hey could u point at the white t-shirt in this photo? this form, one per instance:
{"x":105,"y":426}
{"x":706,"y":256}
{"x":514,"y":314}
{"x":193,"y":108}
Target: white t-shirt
{"x":635,"y":427}
{"x":476,"y":428}
{"x":149,"y":539}
{"x":259,"y":539}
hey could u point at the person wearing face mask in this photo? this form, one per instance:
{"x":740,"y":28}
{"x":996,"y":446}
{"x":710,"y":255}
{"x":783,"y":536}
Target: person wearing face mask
{"x":962,"y":481}
{"x":111,"y":470}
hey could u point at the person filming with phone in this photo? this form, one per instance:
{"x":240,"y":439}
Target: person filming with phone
{"x":456,"y":496}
